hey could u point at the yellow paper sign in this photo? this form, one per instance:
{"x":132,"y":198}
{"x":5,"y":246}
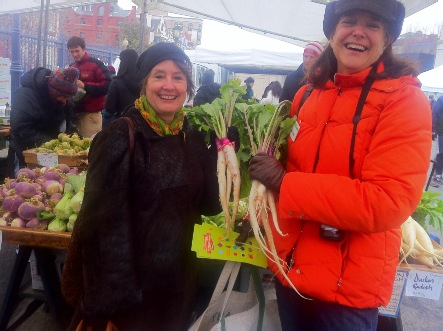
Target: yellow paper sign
{"x":211,"y":242}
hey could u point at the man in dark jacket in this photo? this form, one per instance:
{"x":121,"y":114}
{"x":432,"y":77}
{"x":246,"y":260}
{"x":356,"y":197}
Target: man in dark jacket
{"x":95,"y":79}
{"x":41,"y":110}
{"x":208,"y":91}
{"x":296,"y":79}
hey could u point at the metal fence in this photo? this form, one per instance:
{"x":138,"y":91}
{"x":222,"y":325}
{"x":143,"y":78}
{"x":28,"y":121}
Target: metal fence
{"x":57,"y":54}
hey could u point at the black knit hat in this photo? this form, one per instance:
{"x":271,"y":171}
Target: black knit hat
{"x":391,"y":11}
{"x":158,"y":53}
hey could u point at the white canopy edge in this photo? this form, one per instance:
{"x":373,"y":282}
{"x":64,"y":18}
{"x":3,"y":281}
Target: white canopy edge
{"x":432,"y":80}
{"x":293,"y":21}
{"x":244,"y":58}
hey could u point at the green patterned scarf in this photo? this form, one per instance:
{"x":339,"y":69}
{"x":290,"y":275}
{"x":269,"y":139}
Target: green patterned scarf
{"x":155,"y":122}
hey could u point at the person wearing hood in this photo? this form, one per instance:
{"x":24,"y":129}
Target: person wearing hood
{"x":208,"y":91}
{"x":124,"y":88}
{"x":42,"y":109}
{"x":355,"y":171}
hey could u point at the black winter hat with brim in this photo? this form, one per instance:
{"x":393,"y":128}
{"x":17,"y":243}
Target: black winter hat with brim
{"x":158,"y":53}
{"x":391,"y":11}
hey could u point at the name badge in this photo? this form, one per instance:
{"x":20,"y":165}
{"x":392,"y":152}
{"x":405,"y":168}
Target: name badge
{"x":294,"y":131}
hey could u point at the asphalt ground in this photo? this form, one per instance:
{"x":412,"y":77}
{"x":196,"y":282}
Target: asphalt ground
{"x":417,"y":314}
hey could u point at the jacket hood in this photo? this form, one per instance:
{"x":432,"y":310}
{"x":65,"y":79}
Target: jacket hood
{"x":132,"y":82}
{"x":36,"y":79}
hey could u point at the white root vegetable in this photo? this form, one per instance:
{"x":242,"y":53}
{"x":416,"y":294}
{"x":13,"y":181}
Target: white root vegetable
{"x":221,"y":176}
{"x":417,"y":244}
{"x":234,"y":176}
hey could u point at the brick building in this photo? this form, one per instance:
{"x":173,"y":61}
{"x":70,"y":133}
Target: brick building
{"x":98,"y":24}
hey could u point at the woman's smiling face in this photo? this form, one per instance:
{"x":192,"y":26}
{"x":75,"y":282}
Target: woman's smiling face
{"x":358,"y":41}
{"x":166,"y":89}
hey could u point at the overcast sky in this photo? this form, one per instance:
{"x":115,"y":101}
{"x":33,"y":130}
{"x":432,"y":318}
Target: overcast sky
{"x":219,"y":35}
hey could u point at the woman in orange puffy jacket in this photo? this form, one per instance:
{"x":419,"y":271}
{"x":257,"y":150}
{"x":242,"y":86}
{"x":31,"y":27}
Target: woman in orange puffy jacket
{"x":355,"y":171}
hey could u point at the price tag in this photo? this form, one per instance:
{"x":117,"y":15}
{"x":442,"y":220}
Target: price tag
{"x":392,"y":309}
{"x":47,"y":159}
{"x":424,"y":284}
{"x":294,"y":131}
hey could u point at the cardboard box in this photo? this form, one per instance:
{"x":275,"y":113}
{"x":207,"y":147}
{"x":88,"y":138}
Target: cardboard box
{"x":33,"y":159}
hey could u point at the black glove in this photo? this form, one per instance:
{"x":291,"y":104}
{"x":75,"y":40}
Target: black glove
{"x":267,"y":170}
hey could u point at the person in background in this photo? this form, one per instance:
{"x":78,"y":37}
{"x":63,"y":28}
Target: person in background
{"x":42,"y":109}
{"x":249,"y":91}
{"x":273,"y":94}
{"x":431,"y":99}
{"x":295,"y":80}
{"x":437,"y":131}
{"x":95,"y":79}
{"x":208,"y":91}
{"x":124,"y":88}
{"x":349,"y":181}
{"x":138,"y":268}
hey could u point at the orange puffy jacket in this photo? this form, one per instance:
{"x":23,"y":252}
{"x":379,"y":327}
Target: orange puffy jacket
{"x":392,"y":156}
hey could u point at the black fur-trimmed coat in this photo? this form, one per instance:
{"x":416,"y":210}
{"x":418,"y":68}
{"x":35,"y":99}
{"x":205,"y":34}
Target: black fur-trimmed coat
{"x":136,"y":223}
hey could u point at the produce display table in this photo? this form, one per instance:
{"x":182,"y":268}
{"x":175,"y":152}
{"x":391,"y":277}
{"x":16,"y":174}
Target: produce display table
{"x":43,"y":243}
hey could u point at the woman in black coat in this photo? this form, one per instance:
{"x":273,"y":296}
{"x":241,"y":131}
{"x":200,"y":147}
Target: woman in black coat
{"x":135,"y":227}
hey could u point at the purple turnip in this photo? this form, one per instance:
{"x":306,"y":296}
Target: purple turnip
{"x":33,"y":223}
{"x":25,"y":173}
{"x":10,"y":183}
{"x":73,"y":171}
{"x":56,"y":197}
{"x":18,"y":223}
{"x":63,"y":167}
{"x":28,"y":209}
{"x":25,"y":189}
{"x":51,"y":175}
{"x":51,"y":187}
{"x":39,"y":172}
{"x":12,"y":202}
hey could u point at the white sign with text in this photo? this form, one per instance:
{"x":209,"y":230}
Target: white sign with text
{"x":424,"y":284}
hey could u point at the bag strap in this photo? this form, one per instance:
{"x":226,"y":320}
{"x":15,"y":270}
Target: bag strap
{"x":222,"y":281}
{"x":255,"y":277}
{"x":357,"y":115}
{"x":131,"y":135}
{"x":305,"y":96}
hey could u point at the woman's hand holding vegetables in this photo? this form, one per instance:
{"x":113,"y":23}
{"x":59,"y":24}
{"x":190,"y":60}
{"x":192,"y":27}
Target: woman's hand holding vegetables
{"x":267,"y":170}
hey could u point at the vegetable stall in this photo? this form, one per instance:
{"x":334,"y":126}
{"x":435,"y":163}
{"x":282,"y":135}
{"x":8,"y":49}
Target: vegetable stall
{"x":38,"y":210}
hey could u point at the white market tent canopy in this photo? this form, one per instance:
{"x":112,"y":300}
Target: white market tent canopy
{"x":432,"y":80}
{"x":248,"y":60}
{"x":293,"y":21}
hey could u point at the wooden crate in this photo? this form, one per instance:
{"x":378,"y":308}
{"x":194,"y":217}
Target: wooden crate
{"x":35,"y":238}
{"x":79,"y":161}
